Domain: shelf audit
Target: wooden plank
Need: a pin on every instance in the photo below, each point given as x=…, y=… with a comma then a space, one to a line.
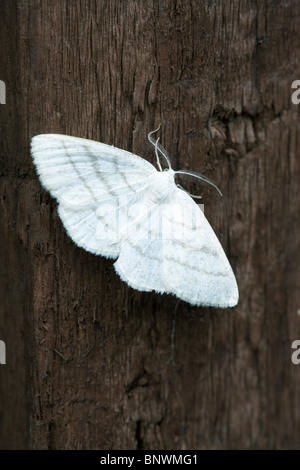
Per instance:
x=99, y=365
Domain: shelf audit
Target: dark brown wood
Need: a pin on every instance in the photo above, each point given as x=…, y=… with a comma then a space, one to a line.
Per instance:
x=91, y=363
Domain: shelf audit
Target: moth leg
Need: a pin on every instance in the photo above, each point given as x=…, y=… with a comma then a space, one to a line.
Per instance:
x=192, y=195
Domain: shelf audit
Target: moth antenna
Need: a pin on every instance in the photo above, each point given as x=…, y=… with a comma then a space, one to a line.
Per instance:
x=157, y=157
x=159, y=147
x=200, y=177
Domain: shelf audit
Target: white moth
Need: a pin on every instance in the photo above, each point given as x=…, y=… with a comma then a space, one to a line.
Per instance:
x=116, y=204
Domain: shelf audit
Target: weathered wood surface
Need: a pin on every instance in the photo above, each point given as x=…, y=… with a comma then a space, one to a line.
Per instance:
x=91, y=363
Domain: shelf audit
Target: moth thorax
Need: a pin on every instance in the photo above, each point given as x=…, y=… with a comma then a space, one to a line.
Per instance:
x=162, y=186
